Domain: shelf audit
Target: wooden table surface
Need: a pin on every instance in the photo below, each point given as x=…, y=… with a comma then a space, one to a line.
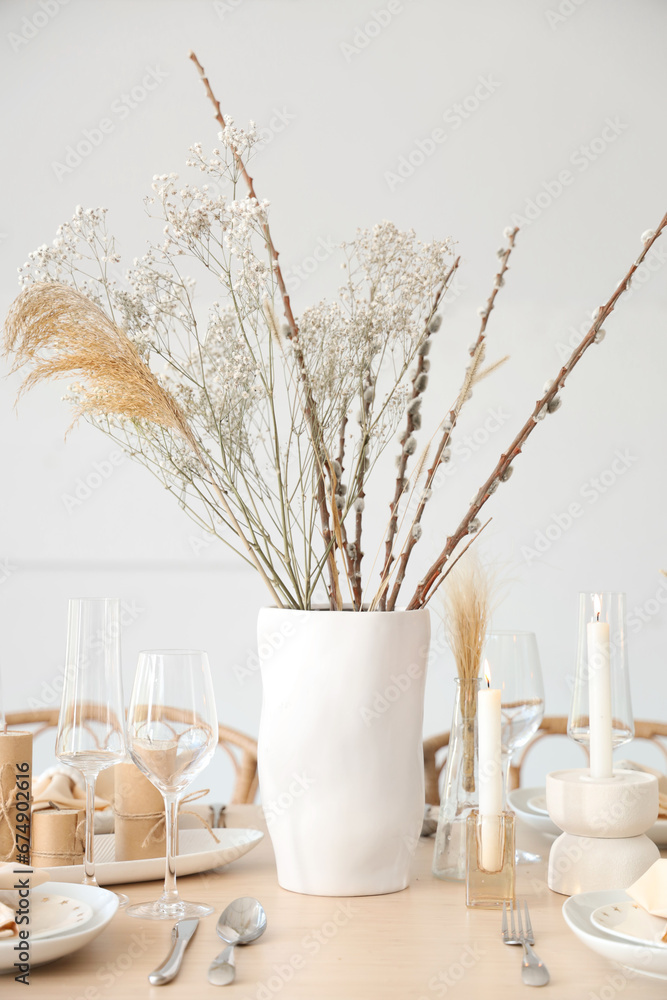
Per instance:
x=419, y=944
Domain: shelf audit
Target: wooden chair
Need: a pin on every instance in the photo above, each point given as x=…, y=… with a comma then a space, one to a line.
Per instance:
x=240, y=748
x=551, y=725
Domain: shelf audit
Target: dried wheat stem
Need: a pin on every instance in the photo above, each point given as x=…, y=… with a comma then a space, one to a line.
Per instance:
x=59, y=331
x=427, y=585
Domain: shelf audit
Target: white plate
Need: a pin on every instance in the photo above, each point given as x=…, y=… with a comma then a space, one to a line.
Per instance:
x=538, y=804
x=54, y=914
x=520, y=801
x=198, y=853
x=649, y=960
x=632, y=922
x=103, y=904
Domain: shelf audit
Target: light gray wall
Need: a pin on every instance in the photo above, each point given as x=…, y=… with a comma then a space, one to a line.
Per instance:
x=576, y=87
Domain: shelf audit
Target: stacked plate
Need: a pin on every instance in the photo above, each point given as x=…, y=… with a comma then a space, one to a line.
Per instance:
x=613, y=925
x=62, y=920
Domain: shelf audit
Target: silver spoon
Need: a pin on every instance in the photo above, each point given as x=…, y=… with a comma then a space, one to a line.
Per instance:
x=241, y=922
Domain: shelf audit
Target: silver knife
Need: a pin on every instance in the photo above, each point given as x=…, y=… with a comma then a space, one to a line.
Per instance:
x=181, y=935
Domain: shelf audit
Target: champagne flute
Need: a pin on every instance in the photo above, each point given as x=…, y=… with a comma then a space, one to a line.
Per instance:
x=90, y=733
x=512, y=661
x=172, y=733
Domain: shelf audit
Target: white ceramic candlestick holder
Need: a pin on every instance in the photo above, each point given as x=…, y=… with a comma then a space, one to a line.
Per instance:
x=604, y=822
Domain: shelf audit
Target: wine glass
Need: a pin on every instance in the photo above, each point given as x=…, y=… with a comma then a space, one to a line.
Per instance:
x=512, y=662
x=90, y=733
x=172, y=733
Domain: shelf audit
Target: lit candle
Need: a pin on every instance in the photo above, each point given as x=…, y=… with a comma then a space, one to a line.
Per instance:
x=599, y=695
x=490, y=776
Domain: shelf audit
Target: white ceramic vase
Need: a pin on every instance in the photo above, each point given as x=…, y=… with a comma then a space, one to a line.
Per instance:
x=341, y=765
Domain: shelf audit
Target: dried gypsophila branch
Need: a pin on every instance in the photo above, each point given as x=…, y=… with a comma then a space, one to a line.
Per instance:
x=84, y=341
x=548, y=403
x=309, y=408
x=442, y=453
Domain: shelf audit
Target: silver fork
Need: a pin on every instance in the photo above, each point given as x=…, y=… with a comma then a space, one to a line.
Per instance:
x=533, y=971
x=508, y=937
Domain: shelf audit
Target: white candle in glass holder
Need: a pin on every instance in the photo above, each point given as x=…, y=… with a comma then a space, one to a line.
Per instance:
x=490, y=777
x=599, y=695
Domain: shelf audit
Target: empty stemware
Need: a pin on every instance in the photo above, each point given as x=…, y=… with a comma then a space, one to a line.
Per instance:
x=172, y=732
x=90, y=726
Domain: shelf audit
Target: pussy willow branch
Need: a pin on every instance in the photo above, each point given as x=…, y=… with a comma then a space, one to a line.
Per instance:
x=309, y=408
x=434, y=575
x=360, y=495
x=445, y=439
x=404, y=456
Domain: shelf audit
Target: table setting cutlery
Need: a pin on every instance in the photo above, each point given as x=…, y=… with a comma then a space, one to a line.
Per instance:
x=242, y=922
x=181, y=935
x=533, y=970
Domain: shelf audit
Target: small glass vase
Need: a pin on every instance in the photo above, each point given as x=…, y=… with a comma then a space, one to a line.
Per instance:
x=460, y=793
x=490, y=868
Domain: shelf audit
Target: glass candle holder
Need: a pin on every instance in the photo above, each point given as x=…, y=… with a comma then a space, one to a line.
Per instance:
x=601, y=710
x=490, y=859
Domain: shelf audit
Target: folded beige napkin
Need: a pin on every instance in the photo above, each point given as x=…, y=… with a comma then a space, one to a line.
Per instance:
x=650, y=891
x=11, y=873
x=631, y=765
x=10, y=876
x=8, y=926
x=61, y=787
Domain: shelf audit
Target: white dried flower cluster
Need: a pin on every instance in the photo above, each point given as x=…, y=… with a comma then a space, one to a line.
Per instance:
x=82, y=245
x=379, y=318
x=234, y=372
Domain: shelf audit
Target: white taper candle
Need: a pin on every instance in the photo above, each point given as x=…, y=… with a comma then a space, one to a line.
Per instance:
x=490, y=777
x=599, y=696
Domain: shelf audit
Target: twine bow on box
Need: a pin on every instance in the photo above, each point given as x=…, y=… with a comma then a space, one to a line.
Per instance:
x=7, y=803
x=158, y=830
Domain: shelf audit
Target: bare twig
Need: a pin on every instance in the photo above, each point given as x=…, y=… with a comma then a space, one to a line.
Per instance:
x=427, y=585
x=411, y=423
x=309, y=408
x=476, y=353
